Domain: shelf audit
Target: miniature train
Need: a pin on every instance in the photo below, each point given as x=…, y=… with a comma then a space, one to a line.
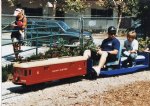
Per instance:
x=30, y=73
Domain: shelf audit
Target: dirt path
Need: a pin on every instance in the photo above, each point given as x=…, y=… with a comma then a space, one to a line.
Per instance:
x=126, y=90
x=136, y=94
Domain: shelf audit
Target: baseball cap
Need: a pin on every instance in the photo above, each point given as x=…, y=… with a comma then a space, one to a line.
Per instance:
x=112, y=30
x=17, y=11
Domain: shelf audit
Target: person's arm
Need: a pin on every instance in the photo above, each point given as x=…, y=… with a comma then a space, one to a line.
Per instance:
x=115, y=52
x=13, y=24
x=116, y=45
x=135, y=47
x=147, y=49
x=24, y=23
x=132, y=51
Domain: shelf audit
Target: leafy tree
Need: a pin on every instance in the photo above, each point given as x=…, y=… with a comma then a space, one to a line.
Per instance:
x=64, y=5
x=75, y=5
x=121, y=6
x=143, y=15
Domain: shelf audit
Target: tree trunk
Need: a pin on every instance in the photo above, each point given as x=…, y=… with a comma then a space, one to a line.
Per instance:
x=119, y=22
x=54, y=8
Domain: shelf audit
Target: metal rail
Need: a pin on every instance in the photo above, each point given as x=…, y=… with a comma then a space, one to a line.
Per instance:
x=35, y=39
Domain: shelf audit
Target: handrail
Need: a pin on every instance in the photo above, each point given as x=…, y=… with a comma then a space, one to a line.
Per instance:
x=14, y=53
x=34, y=30
x=33, y=39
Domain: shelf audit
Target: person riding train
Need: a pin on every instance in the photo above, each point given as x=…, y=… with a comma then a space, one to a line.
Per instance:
x=130, y=49
x=106, y=53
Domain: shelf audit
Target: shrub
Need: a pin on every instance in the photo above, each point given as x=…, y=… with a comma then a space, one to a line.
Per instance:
x=4, y=75
x=60, y=50
x=143, y=43
x=6, y=70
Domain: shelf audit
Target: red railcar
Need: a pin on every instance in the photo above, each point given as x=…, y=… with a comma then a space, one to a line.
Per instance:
x=29, y=73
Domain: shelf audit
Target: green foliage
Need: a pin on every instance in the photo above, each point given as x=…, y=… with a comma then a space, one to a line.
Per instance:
x=75, y=5
x=4, y=76
x=34, y=57
x=61, y=50
x=125, y=6
x=143, y=15
x=143, y=43
x=6, y=70
x=90, y=45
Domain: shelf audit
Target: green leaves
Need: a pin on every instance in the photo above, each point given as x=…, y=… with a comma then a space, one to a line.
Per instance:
x=143, y=43
x=126, y=6
x=75, y=6
x=6, y=71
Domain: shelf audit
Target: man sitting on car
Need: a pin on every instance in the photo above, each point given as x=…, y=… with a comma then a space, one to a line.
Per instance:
x=107, y=52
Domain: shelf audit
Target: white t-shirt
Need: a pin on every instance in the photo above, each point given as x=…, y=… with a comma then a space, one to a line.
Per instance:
x=131, y=45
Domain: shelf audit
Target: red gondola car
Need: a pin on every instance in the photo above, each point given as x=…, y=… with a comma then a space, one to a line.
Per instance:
x=47, y=70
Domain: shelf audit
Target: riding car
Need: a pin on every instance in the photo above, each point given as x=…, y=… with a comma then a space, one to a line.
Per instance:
x=52, y=31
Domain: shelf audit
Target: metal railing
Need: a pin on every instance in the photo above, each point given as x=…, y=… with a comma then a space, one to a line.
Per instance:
x=36, y=39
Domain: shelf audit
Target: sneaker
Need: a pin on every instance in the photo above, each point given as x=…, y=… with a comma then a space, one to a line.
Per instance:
x=91, y=74
x=97, y=70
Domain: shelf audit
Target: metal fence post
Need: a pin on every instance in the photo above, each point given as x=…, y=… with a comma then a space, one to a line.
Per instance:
x=81, y=32
x=36, y=42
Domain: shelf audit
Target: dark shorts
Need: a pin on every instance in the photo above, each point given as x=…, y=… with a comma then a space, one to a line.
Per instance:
x=96, y=57
x=17, y=36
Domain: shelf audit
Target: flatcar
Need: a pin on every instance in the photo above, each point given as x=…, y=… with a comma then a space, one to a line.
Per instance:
x=40, y=71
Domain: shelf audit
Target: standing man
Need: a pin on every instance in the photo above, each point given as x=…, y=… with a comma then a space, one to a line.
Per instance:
x=19, y=30
x=107, y=52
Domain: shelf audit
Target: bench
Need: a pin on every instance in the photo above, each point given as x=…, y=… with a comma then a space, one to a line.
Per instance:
x=141, y=59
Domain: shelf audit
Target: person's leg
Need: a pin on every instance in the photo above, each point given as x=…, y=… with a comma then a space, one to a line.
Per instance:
x=18, y=46
x=132, y=59
x=16, y=50
x=92, y=55
x=87, y=54
x=15, y=36
x=20, y=40
x=102, y=62
x=13, y=44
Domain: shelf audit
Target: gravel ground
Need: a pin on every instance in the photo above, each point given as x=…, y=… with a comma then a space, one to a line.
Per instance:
x=126, y=90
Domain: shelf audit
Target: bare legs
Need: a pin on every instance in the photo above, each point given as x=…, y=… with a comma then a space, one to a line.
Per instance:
x=17, y=48
x=87, y=54
x=102, y=60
